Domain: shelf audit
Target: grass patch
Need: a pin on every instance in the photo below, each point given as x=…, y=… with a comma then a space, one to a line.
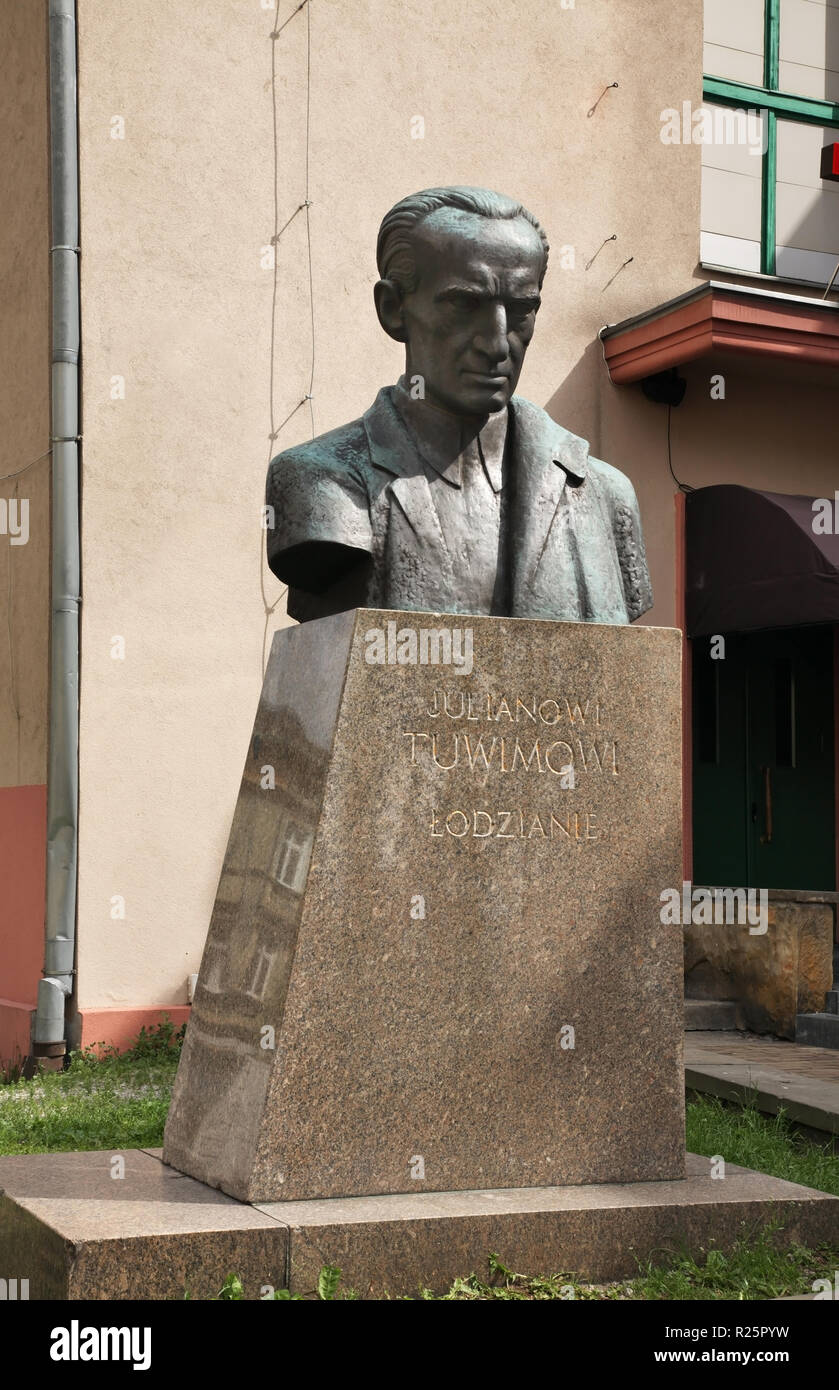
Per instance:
x=768, y=1143
x=754, y=1270
x=102, y=1100
x=329, y=1290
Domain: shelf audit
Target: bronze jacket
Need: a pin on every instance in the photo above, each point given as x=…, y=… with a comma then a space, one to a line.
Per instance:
x=351, y=523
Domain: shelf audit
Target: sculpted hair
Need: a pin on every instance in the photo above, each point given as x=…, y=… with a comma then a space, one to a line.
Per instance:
x=395, y=245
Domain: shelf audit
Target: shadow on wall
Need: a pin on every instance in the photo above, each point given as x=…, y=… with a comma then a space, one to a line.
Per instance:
x=629, y=432
x=576, y=403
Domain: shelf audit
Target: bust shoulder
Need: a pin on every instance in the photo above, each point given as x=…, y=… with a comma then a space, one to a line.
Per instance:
x=339, y=450
x=615, y=484
x=317, y=517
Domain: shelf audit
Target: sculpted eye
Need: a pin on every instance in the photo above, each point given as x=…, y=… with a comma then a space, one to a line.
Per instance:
x=464, y=303
x=521, y=308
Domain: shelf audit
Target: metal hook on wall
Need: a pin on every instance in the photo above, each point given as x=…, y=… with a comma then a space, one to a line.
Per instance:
x=593, y=108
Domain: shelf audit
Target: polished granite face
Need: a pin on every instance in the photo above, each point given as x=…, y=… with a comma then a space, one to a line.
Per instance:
x=436, y=959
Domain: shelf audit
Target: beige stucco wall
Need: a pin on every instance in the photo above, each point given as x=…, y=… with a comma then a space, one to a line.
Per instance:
x=775, y=429
x=24, y=394
x=175, y=301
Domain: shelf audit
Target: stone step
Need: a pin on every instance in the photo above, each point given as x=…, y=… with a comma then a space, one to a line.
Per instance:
x=711, y=1015
x=817, y=1030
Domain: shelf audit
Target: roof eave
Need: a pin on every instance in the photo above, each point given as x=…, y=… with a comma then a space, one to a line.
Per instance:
x=716, y=317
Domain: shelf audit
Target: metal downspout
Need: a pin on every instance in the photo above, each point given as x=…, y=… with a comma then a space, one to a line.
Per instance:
x=63, y=776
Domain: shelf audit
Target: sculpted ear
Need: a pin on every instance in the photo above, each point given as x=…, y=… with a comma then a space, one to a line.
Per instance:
x=388, y=299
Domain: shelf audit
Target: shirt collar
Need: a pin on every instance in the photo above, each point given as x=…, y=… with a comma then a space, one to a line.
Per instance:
x=445, y=440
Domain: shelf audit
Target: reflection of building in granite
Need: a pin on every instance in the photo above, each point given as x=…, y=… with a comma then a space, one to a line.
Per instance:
x=257, y=907
x=250, y=946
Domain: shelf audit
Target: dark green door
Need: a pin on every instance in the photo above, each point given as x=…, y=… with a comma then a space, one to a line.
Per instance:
x=763, y=771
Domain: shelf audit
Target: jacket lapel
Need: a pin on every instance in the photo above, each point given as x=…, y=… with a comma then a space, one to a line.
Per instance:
x=547, y=461
x=392, y=452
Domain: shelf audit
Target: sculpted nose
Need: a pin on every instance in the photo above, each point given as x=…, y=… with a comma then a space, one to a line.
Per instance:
x=491, y=338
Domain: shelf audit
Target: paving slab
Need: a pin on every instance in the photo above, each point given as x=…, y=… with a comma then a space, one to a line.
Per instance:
x=76, y=1232
x=804, y=1081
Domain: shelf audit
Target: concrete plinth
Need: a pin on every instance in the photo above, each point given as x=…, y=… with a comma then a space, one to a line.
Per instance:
x=75, y=1231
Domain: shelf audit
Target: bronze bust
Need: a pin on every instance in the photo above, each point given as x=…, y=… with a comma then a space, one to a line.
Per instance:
x=452, y=494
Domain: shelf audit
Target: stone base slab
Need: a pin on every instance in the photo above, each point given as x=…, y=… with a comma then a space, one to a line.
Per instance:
x=77, y=1232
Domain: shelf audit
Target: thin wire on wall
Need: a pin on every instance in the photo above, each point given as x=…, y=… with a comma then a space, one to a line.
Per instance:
x=303, y=206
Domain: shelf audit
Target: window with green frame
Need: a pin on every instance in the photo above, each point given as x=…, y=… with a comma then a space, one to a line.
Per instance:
x=773, y=214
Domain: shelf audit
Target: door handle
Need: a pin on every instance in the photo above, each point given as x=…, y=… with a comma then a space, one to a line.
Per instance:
x=766, y=838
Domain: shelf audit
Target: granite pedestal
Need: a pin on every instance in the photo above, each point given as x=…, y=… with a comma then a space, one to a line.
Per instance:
x=436, y=960
x=74, y=1231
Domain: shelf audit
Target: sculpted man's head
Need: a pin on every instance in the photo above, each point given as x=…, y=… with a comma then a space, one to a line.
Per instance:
x=461, y=273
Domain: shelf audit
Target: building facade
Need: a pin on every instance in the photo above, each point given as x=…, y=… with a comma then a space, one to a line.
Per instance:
x=234, y=162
